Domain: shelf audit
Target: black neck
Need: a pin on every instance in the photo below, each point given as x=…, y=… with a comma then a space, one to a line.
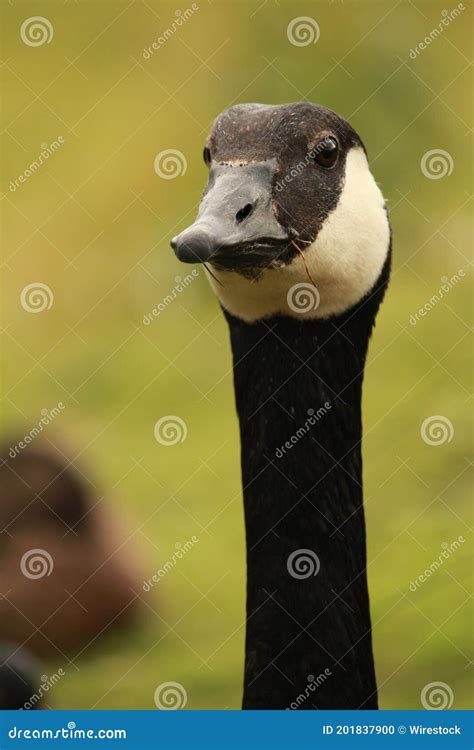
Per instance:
x=302, y=481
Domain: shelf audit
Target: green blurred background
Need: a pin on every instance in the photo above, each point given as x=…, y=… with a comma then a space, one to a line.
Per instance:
x=94, y=223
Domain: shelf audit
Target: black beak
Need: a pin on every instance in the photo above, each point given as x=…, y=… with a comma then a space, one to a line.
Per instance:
x=236, y=226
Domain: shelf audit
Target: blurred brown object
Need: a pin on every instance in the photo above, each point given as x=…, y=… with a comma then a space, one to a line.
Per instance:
x=64, y=575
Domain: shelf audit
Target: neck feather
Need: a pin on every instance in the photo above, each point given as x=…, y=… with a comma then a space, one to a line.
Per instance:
x=298, y=394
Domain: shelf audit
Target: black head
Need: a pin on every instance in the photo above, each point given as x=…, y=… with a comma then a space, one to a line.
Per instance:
x=277, y=174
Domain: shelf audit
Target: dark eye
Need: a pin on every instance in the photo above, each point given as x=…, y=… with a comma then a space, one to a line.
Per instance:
x=206, y=154
x=326, y=151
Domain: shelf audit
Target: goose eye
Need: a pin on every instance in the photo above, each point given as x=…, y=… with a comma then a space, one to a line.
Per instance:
x=207, y=156
x=326, y=152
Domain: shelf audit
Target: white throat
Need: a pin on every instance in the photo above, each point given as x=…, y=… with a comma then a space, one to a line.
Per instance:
x=344, y=261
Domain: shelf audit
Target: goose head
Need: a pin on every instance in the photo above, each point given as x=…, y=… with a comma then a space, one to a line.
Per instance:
x=290, y=208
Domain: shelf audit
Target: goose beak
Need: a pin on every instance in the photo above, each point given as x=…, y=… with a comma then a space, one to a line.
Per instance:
x=236, y=226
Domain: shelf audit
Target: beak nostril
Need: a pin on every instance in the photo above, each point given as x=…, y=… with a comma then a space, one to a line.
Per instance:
x=244, y=213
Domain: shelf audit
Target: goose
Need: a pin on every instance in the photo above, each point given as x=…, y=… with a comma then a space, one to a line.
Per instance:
x=65, y=577
x=294, y=233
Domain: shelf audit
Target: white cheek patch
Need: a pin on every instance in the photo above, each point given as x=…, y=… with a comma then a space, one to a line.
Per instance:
x=344, y=261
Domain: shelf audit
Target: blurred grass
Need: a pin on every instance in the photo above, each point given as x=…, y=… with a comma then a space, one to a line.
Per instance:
x=94, y=223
